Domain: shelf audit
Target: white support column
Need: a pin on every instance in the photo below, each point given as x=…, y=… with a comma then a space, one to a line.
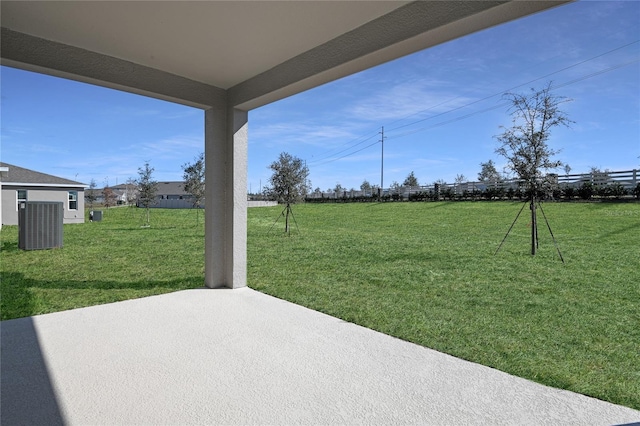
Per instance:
x=226, y=197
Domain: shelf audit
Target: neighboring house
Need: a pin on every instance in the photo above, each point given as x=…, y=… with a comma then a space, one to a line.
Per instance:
x=171, y=195
x=19, y=184
x=119, y=191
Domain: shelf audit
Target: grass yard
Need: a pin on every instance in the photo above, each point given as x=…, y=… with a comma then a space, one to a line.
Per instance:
x=426, y=273
x=423, y=272
x=103, y=262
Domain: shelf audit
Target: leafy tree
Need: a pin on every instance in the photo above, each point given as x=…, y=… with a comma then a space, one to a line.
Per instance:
x=90, y=195
x=147, y=188
x=365, y=187
x=289, y=182
x=194, y=181
x=525, y=144
x=410, y=180
x=110, y=197
x=489, y=173
x=338, y=190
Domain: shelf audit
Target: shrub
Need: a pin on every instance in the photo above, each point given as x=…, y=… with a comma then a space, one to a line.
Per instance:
x=569, y=192
x=520, y=194
x=510, y=193
x=447, y=194
x=489, y=193
x=586, y=190
x=617, y=190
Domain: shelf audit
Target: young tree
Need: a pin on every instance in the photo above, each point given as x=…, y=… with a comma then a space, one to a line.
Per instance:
x=147, y=188
x=525, y=144
x=110, y=197
x=365, y=187
x=410, y=180
x=91, y=196
x=194, y=181
x=488, y=173
x=289, y=182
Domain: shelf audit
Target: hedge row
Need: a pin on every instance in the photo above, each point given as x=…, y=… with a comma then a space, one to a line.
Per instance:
x=587, y=191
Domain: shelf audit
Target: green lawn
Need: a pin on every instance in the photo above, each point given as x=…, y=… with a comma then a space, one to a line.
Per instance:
x=103, y=262
x=423, y=272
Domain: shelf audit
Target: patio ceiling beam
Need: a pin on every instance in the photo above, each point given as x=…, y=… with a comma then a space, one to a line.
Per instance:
x=36, y=54
x=408, y=29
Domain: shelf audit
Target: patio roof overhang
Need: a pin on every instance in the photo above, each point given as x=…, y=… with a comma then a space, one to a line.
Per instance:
x=227, y=58
x=258, y=52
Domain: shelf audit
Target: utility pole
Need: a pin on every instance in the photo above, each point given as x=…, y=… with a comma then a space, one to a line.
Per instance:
x=382, y=161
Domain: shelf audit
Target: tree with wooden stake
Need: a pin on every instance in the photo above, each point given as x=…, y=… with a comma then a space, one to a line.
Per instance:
x=289, y=183
x=194, y=181
x=147, y=188
x=525, y=145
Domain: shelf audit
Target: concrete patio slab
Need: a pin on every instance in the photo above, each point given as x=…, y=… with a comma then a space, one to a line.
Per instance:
x=242, y=357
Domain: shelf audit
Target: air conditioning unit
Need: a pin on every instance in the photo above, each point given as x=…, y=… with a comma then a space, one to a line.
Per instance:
x=40, y=225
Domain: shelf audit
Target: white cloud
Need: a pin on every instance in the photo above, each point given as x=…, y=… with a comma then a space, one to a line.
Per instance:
x=294, y=134
x=410, y=99
x=170, y=147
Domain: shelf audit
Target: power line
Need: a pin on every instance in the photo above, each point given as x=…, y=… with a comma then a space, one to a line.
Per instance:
x=382, y=159
x=330, y=155
x=348, y=155
x=515, y=87
x=577, y=80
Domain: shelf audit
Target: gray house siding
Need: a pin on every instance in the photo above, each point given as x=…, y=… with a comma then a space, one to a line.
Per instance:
x=10, y=202
x=171, y=195
x=49, y=188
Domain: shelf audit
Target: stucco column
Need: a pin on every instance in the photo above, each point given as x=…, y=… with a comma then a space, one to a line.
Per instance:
x=226, y=197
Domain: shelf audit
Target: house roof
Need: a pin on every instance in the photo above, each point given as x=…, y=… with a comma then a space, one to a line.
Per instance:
x=164, y=188
x=170, y=188
x=20, y=176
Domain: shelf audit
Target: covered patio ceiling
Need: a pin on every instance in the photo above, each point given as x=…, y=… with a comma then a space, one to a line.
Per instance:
x=257, y=51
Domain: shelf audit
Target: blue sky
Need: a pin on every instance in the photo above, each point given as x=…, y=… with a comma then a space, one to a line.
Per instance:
x=441, y=110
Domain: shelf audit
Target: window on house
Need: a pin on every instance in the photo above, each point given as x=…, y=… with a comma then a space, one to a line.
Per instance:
x=73, y=200
x=22, y=197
